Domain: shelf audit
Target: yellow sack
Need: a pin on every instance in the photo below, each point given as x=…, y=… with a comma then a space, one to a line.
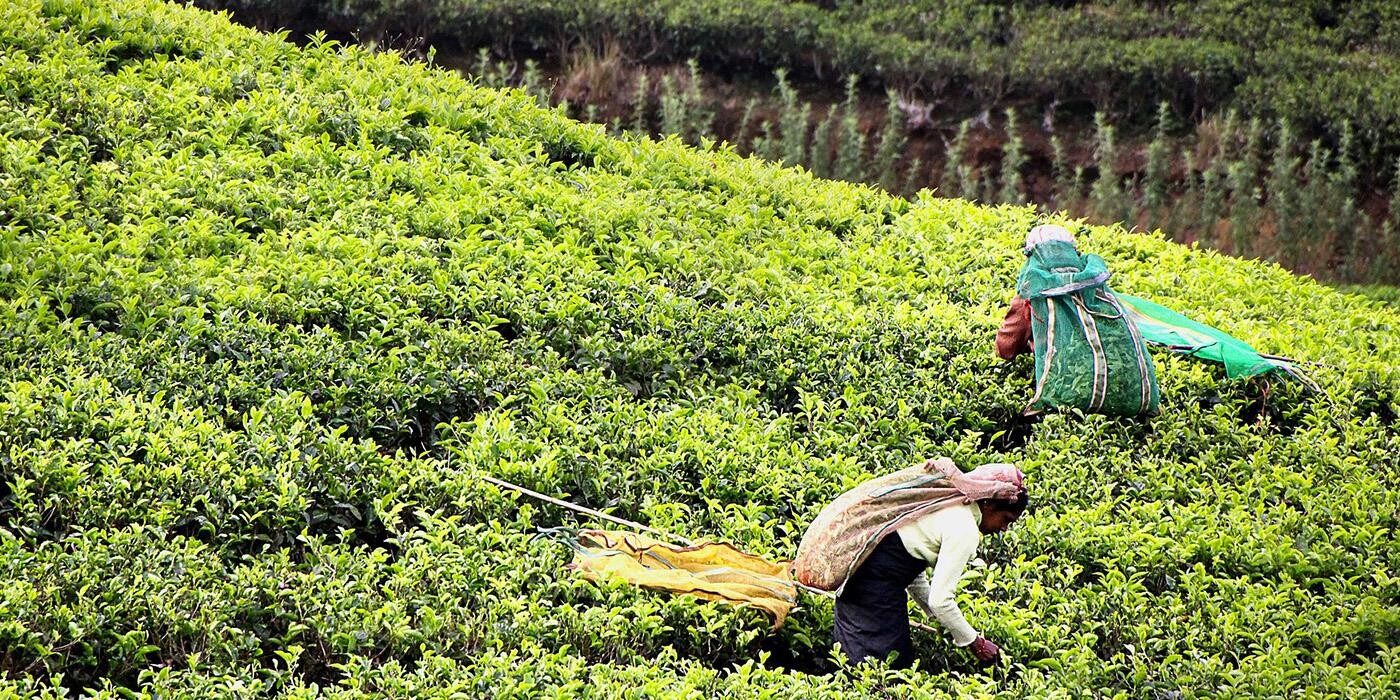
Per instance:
x=709, y=570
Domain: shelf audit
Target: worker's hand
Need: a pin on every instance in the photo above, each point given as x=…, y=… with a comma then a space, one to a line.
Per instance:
x=984, y=650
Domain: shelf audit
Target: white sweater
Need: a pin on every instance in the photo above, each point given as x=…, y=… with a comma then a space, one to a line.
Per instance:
x=947, y=539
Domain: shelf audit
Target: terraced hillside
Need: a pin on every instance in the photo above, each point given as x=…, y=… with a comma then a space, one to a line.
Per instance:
x=268, y=315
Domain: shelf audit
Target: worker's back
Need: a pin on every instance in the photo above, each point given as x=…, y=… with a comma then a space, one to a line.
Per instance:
x=924, y=537
x=1088, y=353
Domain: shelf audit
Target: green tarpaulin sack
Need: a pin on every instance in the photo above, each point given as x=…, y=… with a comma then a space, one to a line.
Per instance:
x=1166, y=328
x=1088, y=352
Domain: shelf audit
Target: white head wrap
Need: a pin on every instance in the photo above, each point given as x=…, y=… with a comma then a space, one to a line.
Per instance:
x=1048, y=232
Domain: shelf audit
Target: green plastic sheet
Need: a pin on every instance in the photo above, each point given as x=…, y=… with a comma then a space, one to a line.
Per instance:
x=1162, y=326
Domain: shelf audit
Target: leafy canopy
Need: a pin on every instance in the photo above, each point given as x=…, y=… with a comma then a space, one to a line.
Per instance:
x=267, y=313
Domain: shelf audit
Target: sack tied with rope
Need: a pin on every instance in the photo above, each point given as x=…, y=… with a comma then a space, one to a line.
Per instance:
x=1089, y=353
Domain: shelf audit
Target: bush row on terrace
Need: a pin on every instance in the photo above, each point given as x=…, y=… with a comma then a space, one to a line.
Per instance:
x=268, y=314
x=1238, y=185
x=1318, y=63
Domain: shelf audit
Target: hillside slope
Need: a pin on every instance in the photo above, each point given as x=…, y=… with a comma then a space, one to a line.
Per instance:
x=268, y=313
x=1319, y=63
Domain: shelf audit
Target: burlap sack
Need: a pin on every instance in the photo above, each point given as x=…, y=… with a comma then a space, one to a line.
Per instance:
x=847, y=531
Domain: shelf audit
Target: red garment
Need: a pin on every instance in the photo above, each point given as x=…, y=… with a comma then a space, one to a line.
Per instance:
x=1014, y=336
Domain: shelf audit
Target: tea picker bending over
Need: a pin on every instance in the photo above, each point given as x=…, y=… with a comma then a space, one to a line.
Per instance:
x=874, y=543
x=1090, y=341
x=1090, y=354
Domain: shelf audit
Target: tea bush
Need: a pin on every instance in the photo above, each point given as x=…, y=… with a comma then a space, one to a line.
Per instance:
x=269, y=313
x=1304, y=207
x=1320, y=63
x=1378, y=292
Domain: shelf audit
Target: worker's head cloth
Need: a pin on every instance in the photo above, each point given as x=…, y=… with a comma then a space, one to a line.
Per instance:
x=1045, y=233
x=1006, y=473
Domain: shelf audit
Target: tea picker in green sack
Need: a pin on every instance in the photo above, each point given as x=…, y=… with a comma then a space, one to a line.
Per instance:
x=1090, y=343
x=1088, y=351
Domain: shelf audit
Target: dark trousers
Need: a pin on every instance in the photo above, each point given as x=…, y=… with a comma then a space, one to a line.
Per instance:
x=872, y=613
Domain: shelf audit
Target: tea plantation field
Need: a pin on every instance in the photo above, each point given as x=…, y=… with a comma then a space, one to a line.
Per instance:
x=268, y=314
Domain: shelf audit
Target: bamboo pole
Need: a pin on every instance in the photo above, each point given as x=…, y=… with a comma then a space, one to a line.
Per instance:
x=582, y=509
